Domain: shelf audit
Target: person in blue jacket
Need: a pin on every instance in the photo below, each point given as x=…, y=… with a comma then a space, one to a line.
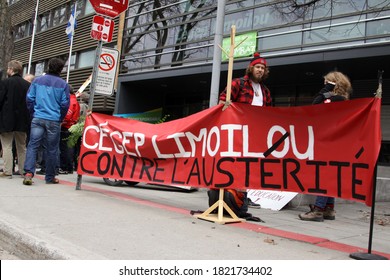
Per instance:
x=48, y=102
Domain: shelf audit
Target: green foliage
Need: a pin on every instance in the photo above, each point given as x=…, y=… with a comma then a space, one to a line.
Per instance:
x=76, y=130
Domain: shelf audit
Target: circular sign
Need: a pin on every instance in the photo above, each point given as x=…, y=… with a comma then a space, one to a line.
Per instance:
x=107, y=62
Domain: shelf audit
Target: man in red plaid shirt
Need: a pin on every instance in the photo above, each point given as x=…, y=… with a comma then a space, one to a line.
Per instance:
x=250, y=89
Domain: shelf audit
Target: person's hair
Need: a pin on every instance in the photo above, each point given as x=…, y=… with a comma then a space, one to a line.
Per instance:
x=343, y=85
x=55, y=66
x=249, y=71
x=29, y=77
x=16, y=66
x=71, y=89
x=85, y=97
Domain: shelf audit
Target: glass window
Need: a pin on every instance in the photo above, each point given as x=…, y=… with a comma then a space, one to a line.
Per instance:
x=86, y=58
x=130, y=65
x=192, y=5
x=144, y=60
x=10, y=2
x=59, y=15
x=79, y=8
x=133, y=43
x=266, y=17
x=335, y=32
x=198, y=31
x=238, y=5
x=136, y=20
x=44, y=21
x=346, y=7
x=72, y=62
x=84, y=7
x=242, y=21
x=39, y=68
x=377, y=4
x=333, y=8
x=380, y=28
x=166, y=56
x=281, y=41
x=151, y=41
x=22, y=30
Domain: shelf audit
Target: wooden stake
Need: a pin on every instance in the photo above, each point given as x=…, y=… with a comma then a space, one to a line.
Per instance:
x=221, y=204
x=230, y=67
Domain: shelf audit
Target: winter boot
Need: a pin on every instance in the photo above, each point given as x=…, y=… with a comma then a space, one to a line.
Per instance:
x=315, y=214
x=329, y=213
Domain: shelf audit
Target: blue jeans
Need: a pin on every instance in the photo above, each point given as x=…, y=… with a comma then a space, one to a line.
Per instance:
x=322, y=201
x=50, y=131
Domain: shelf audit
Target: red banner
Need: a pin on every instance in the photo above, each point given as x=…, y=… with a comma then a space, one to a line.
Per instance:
x=326, y=149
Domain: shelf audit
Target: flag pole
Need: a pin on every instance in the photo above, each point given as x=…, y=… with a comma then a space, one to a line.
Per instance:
x=33, y=37
x=71, y=45
x=70, y=57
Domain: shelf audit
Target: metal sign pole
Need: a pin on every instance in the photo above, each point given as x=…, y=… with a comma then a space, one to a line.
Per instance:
x=369, y=255
x=94, y=75
x=92, y=93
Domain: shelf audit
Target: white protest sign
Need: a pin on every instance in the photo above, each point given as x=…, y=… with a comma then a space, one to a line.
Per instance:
x=273, y=200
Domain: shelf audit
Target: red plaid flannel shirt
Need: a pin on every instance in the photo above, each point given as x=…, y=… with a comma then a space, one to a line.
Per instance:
x=246, y=94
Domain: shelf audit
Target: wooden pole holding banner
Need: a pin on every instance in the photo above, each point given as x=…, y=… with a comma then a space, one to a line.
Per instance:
x=230, y=67
x=369, y=255
x=221, y=204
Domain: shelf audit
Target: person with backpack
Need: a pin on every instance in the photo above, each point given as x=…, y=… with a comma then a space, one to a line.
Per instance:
x=249, y=89
x=337, y=87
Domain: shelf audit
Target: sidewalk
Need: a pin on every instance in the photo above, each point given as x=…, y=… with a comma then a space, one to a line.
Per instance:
x=139, y=223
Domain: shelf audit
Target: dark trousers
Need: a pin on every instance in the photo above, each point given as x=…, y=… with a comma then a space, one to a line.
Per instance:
x=66, y=153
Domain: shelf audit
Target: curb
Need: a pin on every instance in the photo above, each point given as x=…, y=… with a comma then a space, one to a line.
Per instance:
x=25, y=246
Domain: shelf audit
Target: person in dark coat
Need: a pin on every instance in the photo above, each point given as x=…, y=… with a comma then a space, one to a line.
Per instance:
x=14, y=117
x=337, y=87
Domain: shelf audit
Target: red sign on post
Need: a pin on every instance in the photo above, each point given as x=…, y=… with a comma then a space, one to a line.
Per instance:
x=102, y=29
x=110, y=8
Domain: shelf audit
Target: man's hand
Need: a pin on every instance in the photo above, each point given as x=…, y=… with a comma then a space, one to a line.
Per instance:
x=226, y=105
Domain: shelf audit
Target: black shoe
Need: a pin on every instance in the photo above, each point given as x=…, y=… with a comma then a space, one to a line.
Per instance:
x=41, y=172
x=251, y=204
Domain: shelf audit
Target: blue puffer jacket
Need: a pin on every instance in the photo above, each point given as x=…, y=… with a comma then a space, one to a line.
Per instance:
x=48, y=98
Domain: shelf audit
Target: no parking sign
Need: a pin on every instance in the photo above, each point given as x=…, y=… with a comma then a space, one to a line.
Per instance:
x=106, y=71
